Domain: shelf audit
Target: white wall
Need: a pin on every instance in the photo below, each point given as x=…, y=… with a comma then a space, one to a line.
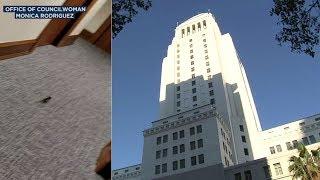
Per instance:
x=18, y=29
x=99, y=18
x=211, y=145
x=97, y=7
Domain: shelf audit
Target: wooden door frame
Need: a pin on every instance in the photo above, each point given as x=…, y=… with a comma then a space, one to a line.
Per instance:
x=63, y=25
x=68, y=39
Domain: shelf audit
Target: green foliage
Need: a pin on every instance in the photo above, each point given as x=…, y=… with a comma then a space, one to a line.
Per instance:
x=123, y=12
x=306, y=165
x=300, y=24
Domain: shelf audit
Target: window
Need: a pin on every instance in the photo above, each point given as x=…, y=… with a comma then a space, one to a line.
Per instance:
x=190, y=45
x=266, y=170
x=289, y=145
x=182, y=163
x=178, y=104
x=205, y=51
x=208, y=70
x=190, y=40
x=164, y=168
x=178, y=96
x=272, y=150
x=178, y=110
x=175, y=135
x=241, y=128
x=205, y=45
x=164, y=152
x=200, y=143
x=188, y=30
x=193, y=160
x=295, y=143
x=199, y=27
x=201, y=158
x=247, y=175
x=158, y=154
x=181, y=134
x=193, y=76
x=191, y=57
x=178, y=88
x=212, y=101
x=195, y=105
x=207, y=63
x=182, y=148
x=305, y=141
x=193, y=28
x=312, y=139
x=157, y=169
x=175, y=150
x=178, y=74
x=199, y=129
x=178, y=56
x=207, y=57
x=192, y=131
x=165, y=138
x=209, y=77
x=178, y=68
x=204, y=23
x=243, y=139
x=192, y=62
x=174, y=165
x=204, y=40
x=194, y=98
x=178, y=62
x=182, y=33
x=192, y=145
x=193, y=83
x=317, y=119
x=210, y=85
x=158, y=140
x=192, y=69
x=191, y=50
x=211, y=93
x=246, y=152
x=237, y=176
x=278, y=169
x=194, y=90
x=279, y=149
x=178, y=80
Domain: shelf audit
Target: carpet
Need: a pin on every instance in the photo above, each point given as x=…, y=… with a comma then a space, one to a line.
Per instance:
x=60, y=139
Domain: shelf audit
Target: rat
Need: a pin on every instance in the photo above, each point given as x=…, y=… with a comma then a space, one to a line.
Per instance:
x=45, y=100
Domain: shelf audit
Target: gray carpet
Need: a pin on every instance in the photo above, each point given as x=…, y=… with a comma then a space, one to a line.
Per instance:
x=63, y=138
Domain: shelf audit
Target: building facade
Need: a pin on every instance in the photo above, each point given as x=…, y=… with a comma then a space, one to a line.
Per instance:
x=208, y=124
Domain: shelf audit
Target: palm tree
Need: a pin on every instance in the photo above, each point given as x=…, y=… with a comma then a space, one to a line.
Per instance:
x=305, y=166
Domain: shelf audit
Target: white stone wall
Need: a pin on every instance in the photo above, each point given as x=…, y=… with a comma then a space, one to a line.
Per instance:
x=212, y=141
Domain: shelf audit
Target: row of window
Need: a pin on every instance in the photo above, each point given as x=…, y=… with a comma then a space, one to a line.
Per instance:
x=294, y=144
x=195, y=98
x=175, y=135
x=180, y=148
x=194, y=160
x=266, y=169
x=192, y=29
x=193, y=83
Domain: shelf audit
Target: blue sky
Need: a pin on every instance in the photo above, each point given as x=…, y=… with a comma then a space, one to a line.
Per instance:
x=285, y=85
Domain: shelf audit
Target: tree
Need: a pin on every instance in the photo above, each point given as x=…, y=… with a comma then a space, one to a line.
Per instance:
x=123, y=12
x=300, y=24
x=305, y=166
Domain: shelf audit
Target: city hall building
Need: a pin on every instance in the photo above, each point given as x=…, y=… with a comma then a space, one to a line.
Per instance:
x=208, y=126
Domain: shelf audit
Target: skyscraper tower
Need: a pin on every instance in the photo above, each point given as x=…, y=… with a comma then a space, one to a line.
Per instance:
x=207, y=113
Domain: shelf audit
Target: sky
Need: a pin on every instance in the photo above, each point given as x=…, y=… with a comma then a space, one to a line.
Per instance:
x=285, y=85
